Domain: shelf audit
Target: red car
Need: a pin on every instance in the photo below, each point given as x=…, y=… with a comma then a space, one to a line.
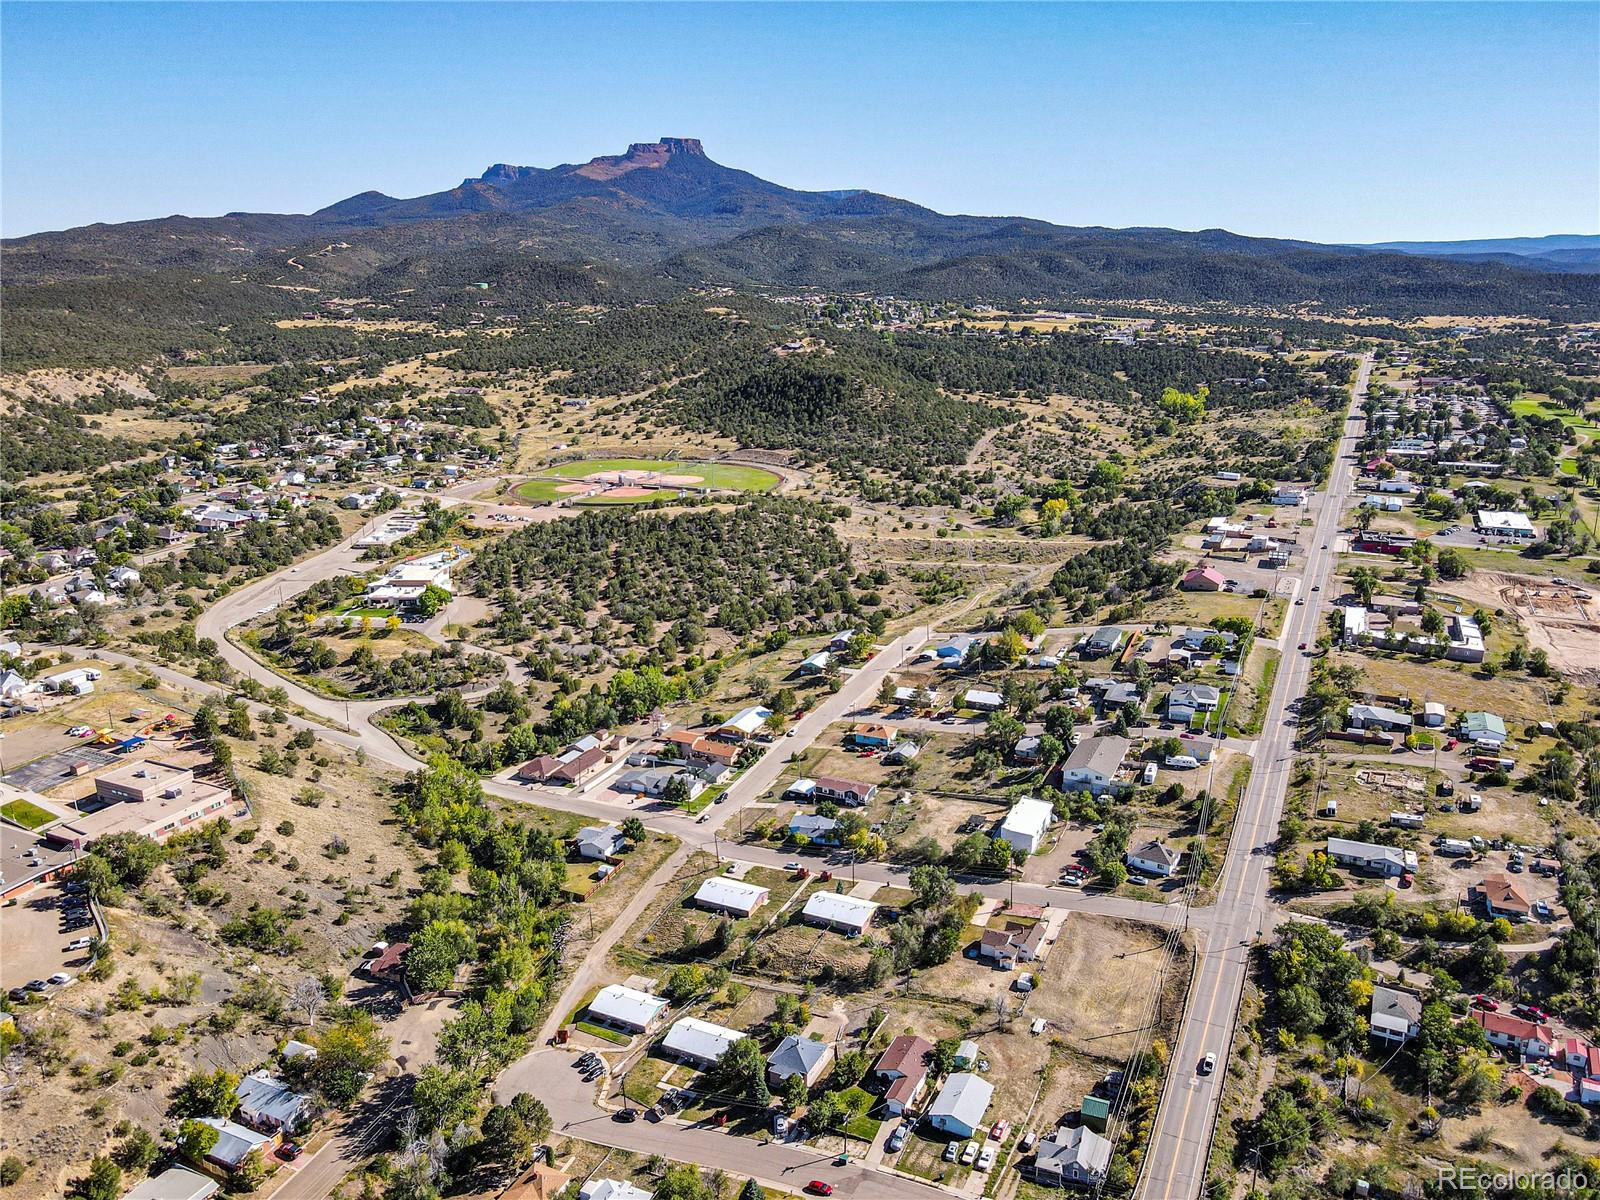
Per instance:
x=1485, y=1003
x=817, y=1188
x=290, y=1151
x=1302, y=645
x=1529, y=1012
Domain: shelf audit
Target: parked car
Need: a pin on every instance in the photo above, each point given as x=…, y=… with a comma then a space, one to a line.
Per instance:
x=950, y=1152
x=818, y=1188
x=82, y=943
x=290, y=1151
x=625, y=1115
x=1529, y=1012
x=1542, y=911
x=998, y=1130
x=59, y=978
x=1486, y=1003
x=1028, y=1139
x=986, y=1158
x=897, y=1139
x=969, y=1154
x=36, y=985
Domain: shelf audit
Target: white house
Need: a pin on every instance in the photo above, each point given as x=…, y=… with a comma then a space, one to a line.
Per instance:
x=1190, y=698
x=597, y=843
x=721, y=894
x=745, y=723
x=961, y=1104
x=983, y=700
x=268, y=1103
x=1153, y=858
x=1371, y=858
x=626, y=1008
x=1504, y=524
x=1093, y=765
x=611, y=1189
x=175, y=1183
x=1396, y=1015
x=1025, y=825
x=834, y=910
x=698, y=1042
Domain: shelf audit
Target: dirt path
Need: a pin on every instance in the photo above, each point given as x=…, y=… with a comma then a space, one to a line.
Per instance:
x=1560, y=618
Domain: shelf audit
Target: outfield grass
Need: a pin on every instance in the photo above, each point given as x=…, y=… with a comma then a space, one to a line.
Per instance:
x=723, y=476
x=26, y=814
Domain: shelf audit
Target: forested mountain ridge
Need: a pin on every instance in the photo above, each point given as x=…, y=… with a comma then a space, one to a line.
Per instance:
x=662, y=217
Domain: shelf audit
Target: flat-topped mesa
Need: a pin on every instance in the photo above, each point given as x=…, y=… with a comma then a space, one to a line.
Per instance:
x=640, y=154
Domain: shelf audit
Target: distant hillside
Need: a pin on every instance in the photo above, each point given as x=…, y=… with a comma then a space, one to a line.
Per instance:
x=1557, y=252
x=664, y=215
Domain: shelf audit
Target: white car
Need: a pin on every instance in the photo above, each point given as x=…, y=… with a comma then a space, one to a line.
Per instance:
x=82, y=943
x=59, y=978
x=986, y=1159
x=1208, y=1064
x=950, y=1152
x=969, y=1154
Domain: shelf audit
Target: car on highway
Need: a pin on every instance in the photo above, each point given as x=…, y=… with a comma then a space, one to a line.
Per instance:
x=818, y=1188
x=1208, y=1064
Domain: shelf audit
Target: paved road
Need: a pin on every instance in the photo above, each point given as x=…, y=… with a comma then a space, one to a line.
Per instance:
x=790, y=1166
x=1180, y=1146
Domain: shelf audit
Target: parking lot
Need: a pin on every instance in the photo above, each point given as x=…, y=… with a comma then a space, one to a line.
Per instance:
x=35, y=938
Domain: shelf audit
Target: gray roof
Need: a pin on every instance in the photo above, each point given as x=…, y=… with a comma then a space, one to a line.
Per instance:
x=1080, y=1146
x=1195, y=693
x=1102, y=755
x=234, y=1141
x=1119, y=694
x=964, y=1097
x=796, y=1056
x=175, y=1183
x=271, y=1098
x=1391, y=1002
x=1106, y=637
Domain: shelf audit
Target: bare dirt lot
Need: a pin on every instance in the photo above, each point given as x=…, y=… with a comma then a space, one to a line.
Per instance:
x=1561, y=618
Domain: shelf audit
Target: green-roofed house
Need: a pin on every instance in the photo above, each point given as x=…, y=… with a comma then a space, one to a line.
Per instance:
x=1096, y=1112
x=1483, y=728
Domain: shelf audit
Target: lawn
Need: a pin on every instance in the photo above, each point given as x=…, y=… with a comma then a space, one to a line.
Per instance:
x=1530, y=406
x=721, y=476
x=26, y=814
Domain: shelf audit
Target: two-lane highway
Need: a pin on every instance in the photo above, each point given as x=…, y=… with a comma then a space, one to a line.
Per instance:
x=1180, y=1146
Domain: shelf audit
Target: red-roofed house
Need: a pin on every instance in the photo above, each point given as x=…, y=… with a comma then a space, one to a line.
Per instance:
x=904, y=1067
x=1514, y=1033
x=1502, y=898
x=1203, y=579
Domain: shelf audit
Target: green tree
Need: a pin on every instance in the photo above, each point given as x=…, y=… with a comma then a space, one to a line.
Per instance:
x=206, y=1094
x=347, y=1052
x=195, y=1140
x=103, y=1182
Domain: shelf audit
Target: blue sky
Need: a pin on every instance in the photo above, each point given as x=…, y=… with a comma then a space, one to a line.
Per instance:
x=1333, y=122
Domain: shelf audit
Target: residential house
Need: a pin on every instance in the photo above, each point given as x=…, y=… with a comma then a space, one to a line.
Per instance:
x=850, y=915
x=389, y=963
x=611, y=1189
x=697, y=749
x=573, y=767
x=1108, y=639
x=1017, y=942
x=1187, y=699
x=1076, y=1156
x=1026, y=751
x=1374, y=716
x=744, y=724
x=903, y=1066
x=983, y=700
x=1119, y=695
x=1153, y=858
x=599, y=843
x=1529, y=1038
x=625, y=1008
x=653, y=782
x=954, y=650
x=1433, y=714
x=1371, y=858
x=961, y=1105
x=1483, y=729
x=734, y=896
x=1203, y=579
x=267, y=1103
x=815, y=664
x=849, y=792
x=175, y=1183
x=1502, y=898
x=872, y=735
x=13, y=684
x=1025, y=824
x=822, y=830
x=235, y=1143
x=904, y=751
x=697, y=1042
x=1395, y=1015
x=1093, y=765
x=910, y=697
x=800, y=1056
